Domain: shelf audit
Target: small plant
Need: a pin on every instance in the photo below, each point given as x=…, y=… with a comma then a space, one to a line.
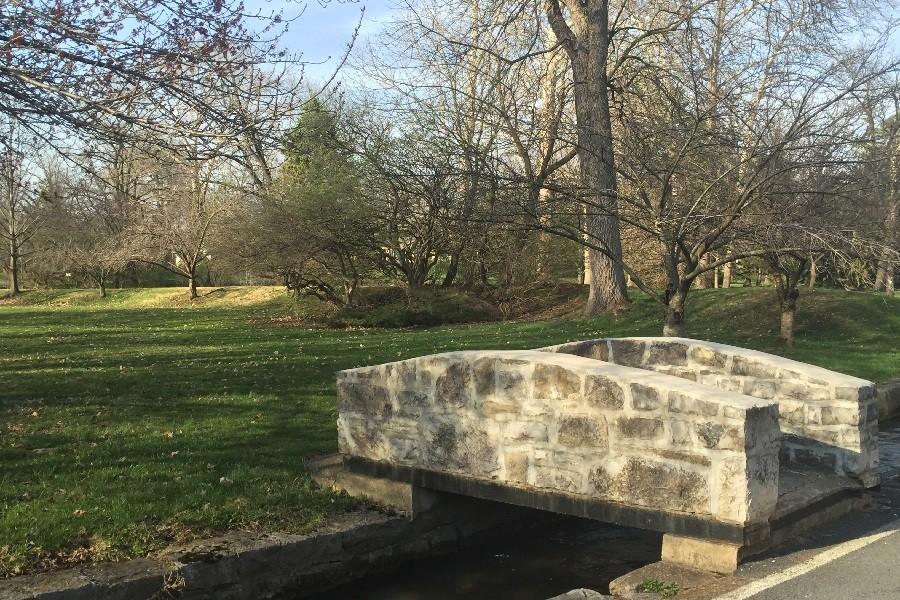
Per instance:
x=663, y=588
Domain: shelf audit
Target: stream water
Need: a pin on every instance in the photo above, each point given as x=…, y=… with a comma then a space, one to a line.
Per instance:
x=532, y=565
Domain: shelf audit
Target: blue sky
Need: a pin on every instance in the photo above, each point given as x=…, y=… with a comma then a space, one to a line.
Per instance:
x=322, y=32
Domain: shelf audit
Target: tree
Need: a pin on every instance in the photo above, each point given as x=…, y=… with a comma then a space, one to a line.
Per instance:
x=700, y=147
x=20, y=218
x=79, y=68
x=585, y=37
x=312, y=229
x=178, y=219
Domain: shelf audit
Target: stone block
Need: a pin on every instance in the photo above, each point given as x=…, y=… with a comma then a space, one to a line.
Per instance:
x=652, y=483
x=511, y=384
x=753, y=368
x=667, y=353
x=644, y=397
x=602, y=392
x=556, y=383
x=854, y=393
x=596, y=349
x=798, y=390
x=627, y=352
x=599, y=351
x=792, y=412
x=485, y=374
x=708, y=357
x=497, y=407
x=681, y=432
x=680, y=372
x=683, y=457
x=639, y=428
x=412, y=403
x=363, y=398
x=361, y=437
x=716, y=435
x=465, y=448
x=515, y=465
x=684, y=403
x=579, y=431
x=730, y=384
x=533, y=408
x=517, y=432
x=556, y=478
x=702, y=555
x=833, y=415
x=452, y=386
x=760, y=388
x=403, y=375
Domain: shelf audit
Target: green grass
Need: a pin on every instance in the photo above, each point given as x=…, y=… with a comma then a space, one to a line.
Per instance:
x=663, y=588
x=129, y=423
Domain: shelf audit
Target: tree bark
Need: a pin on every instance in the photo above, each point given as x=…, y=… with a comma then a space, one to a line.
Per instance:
x=705, y=280
x=452, y=270
x=788, y=302
x=673, y=326
x=884, y=278
x=13, y=269
x=585, y=38
x=726, y=275
x=812, y=273
x=192, y=285
x=102, y=289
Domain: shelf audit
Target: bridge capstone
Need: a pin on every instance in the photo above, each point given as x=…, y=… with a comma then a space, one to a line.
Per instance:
x=827, y=419
x=573, y=426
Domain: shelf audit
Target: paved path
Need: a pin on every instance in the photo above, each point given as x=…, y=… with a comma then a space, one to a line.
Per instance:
x=857, y=558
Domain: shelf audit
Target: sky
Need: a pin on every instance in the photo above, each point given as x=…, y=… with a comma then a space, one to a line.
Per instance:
x=322, y=33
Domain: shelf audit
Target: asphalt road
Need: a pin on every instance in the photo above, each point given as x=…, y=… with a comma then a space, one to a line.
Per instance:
x=856, y=558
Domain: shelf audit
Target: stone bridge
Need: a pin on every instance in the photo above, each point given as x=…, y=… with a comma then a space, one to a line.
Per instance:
x=718, y=447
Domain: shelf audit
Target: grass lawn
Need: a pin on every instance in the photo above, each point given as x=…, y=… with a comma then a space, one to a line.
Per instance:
x=130, y=423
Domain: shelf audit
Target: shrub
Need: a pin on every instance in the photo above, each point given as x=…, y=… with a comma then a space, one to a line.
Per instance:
x=396, y=307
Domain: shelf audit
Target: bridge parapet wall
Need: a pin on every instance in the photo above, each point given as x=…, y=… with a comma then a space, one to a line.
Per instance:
x=571, y=425
x=827, y=419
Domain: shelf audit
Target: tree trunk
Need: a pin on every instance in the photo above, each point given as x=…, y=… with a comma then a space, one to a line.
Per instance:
x=607, y=278
x=13, y=270
x=452, y=269
x=704, y=281
x=788, y=303
x=673, y=326
x=716, y=278
x=884, y=278
x=585, y=38
x=812, y=273
x=726, y=275
x=102, y=289
x=192, y=285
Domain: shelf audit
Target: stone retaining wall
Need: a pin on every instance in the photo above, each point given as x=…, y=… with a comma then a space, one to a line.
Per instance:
x=244, y=566
x=826, y=418
x=532, y=419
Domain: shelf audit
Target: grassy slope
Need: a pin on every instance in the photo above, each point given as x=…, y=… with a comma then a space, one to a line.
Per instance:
x=119, y=419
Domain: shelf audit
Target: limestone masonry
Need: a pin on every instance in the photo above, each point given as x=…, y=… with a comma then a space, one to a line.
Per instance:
x=667, y=424
x=827, y=419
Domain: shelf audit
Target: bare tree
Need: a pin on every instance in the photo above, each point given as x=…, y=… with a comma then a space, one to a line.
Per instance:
x=178, y=218
x=20, y=218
